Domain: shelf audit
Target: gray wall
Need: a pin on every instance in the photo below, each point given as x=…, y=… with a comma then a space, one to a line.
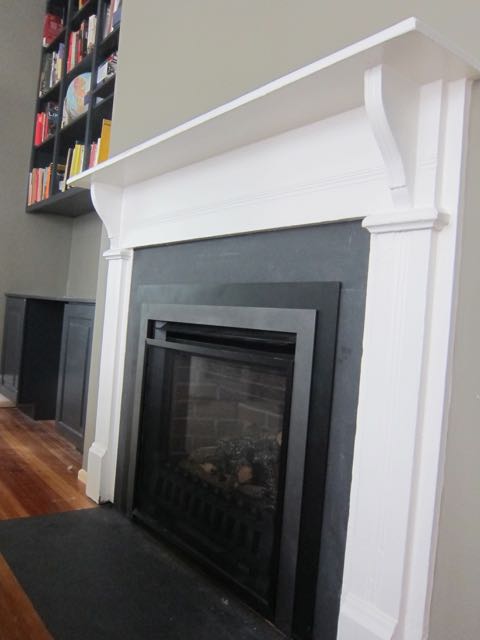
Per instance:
x=34, y=250
x=456, y=598
x=84, y=256
x=179, y=59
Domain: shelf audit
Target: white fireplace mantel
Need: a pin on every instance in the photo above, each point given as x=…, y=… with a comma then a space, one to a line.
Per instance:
x=375, y=132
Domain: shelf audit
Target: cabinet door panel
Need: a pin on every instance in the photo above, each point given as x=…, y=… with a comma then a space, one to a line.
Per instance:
x=74, y=370
x=12, y=345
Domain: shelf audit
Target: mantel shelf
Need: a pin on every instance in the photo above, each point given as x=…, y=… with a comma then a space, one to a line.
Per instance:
x=322, y=89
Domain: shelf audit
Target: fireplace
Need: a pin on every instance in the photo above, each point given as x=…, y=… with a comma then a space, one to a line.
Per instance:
x=229, y=454
x=374, y=133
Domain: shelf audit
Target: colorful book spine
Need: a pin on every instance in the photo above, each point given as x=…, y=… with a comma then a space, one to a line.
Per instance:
x=40, y=184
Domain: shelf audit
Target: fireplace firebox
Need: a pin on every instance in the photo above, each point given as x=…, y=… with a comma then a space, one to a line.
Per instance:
x=215, y=419
x=229, y=453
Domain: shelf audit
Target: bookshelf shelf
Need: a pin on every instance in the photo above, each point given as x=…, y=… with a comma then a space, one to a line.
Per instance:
x=83, y=13
x=48, y=142
x=104, y=88
x=75, y=127
x=106, y=103
x=110, y=43
x=80, y=34
x=51, y=94
x=80, y=67
x=78, y=201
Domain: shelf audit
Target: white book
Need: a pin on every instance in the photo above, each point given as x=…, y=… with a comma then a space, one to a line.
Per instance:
x=92, y=29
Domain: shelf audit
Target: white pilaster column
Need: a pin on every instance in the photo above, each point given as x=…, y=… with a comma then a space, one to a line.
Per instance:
x=388, y=423
x=102, y=456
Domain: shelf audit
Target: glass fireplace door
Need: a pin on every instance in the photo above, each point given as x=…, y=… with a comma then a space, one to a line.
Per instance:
x=214, y=427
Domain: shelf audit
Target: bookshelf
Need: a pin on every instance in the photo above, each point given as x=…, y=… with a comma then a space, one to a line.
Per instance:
x=78, y=57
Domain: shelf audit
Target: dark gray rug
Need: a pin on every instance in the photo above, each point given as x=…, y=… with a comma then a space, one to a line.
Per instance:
x=93, y=574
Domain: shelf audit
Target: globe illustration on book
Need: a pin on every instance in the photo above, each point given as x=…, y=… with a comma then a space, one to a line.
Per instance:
x=74, y=104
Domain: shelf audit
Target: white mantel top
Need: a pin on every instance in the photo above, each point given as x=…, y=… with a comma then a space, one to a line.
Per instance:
x=331, y=85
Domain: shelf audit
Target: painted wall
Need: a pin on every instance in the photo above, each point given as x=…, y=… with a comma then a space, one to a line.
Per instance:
x=455, y=612
x=34, y=250
x=179, y=59
x=84, y=256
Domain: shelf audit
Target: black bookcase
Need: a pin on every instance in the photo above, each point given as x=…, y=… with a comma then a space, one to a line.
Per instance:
x=85, y=128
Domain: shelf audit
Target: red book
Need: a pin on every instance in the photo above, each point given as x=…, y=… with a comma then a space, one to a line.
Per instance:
x=38, y=193
x=38, y=129
x=34, y=185
x=44, y=126
x=70, y=52
x=52, y=25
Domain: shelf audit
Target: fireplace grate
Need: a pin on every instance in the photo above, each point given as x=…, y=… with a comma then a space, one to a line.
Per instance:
x=233, y=531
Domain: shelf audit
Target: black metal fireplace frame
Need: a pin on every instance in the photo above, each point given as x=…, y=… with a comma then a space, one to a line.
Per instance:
x=314, y=328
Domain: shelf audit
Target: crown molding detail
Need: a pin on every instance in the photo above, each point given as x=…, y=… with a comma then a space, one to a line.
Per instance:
x=399, y=221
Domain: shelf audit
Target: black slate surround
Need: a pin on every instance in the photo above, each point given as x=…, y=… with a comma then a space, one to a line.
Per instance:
x=201, y=273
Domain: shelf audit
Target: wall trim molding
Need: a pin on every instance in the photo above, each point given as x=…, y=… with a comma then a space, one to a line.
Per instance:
x=399, y=221
x=82, y=476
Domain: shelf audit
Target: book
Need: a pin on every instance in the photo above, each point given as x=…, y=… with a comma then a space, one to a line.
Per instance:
x=46, y=122
x=40, y=184
x=81, y=42
x=112, y=16
x=38, y=130
x=52, y=26
x=117, y=14
x=51, y=69
x=66, y=172
x=107, y=68
x=104, y=143
x=52, y=115
x=92, y=161
x=91, y=33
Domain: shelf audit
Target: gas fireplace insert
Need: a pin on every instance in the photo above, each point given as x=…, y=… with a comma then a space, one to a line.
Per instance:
x=230, y=442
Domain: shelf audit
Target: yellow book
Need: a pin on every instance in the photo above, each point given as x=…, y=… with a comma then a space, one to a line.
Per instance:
x=76, y=160
x=104, y=145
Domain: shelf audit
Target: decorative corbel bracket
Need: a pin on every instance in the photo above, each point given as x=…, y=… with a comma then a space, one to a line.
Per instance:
x=107, y=200
x=391, y=103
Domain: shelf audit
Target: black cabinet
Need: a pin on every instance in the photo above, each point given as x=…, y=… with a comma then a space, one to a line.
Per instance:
x=74, y=370
x=45, y=359
x=12, y=347
x=31, y=354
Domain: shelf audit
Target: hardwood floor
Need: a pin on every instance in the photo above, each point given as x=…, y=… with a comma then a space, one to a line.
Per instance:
x=38, y=469
x=18, y=618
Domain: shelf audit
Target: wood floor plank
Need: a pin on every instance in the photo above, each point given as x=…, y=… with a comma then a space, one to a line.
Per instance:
x=18, y=617
x=38, y=469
